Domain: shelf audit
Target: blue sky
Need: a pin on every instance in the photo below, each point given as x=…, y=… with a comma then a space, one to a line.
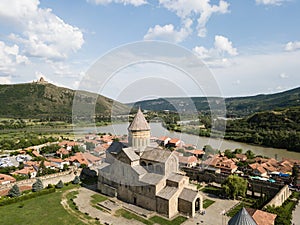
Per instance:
x=250, y=46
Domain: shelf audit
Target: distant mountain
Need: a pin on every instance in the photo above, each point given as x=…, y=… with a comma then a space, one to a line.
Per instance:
x=237, y=106
x=47, y=101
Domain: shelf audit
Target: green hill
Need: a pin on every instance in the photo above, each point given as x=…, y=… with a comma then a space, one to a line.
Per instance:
x=237, y=106
x=47, y=101
x=279, y=129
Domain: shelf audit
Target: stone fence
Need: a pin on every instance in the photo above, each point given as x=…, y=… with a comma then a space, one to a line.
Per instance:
x=263, y=187
x=280, y=197
x=53, y=179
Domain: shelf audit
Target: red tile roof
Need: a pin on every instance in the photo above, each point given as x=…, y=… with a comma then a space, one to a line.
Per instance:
x=4, y=178
x=262, y=217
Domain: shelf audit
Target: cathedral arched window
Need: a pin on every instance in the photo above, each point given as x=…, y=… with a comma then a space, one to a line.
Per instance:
x=150, y=167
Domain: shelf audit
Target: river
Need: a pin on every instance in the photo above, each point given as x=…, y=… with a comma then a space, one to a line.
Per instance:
x=158, y=130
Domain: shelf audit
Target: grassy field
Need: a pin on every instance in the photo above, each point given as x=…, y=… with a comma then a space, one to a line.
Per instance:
x=42, y=210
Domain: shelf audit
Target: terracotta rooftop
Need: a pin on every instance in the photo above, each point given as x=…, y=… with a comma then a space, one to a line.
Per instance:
x=187, y=159
x=6, y=178
x=242, y=218
x=261, y=217
x=139, y=122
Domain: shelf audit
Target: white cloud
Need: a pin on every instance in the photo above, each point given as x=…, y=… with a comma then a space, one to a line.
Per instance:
x=5, y=80
x=124, y=2
x=10, y=57
x=202, y=10
x=270, y=2
x=259, y=73
x=222, y=44
x=292, y=46
x=217, y=56
x=169, y=33
x=40, y=32
x=283, y=76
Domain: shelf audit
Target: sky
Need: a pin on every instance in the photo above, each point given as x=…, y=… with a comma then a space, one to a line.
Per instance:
x=249, y=47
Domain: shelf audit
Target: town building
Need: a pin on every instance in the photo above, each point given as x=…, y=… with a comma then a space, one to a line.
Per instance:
x=147, y=176
x=249, y=216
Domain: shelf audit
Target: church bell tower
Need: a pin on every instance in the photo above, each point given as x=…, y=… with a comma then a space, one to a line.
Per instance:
x=139, y=132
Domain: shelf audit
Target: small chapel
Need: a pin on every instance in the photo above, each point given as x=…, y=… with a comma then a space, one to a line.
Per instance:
x=147, y=176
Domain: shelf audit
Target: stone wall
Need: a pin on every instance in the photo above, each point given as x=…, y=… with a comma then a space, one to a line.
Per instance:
x=280, y=197
x=185, y=207
x=66, y=176
x=263, y=187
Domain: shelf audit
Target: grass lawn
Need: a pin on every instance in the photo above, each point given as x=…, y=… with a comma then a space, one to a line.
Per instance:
x=98, y=198
x=177, y=221
x=237, y=208
x=45, y=209
x=128, y=215
x=207, y=203
x=155, y=219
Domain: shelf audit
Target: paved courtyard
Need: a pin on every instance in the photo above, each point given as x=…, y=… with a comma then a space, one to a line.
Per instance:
x=214, y=213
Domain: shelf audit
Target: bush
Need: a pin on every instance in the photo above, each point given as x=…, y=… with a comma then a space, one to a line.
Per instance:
x=50, y=186
x=76, y=180
x=14, y=191
x=25, y=197
x=37, y=186
x=60, y=184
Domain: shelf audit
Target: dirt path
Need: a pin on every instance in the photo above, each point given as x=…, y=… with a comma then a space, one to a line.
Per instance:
x=83, y=202
x=66, y=206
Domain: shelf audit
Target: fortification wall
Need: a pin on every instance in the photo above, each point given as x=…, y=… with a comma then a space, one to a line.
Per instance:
x=280, y=197
x=53, y=179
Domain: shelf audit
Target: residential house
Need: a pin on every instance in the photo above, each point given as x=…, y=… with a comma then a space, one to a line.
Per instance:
x=163, y=141
x=187, y=161
x=197, y=152
x=58, y=162
x=6, y=179
x=258, y=170
x=26, y=171
x=241, y=157
x=174, y=142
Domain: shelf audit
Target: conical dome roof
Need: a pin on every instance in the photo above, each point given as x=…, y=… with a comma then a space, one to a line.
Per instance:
x=242, y=218
x=139, y=122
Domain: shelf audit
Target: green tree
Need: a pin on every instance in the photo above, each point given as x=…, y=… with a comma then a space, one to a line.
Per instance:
x=229, y=154
x=235, y=186
x=295, y=174
x=250, y=154
x=60, y=184
x=42, y=168
x=238, y=151
x=76, y=180
x=14, y=191
x=37, y=186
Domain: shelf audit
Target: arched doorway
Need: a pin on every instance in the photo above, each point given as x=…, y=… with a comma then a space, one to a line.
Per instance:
x=150, y=167
x=197, y=204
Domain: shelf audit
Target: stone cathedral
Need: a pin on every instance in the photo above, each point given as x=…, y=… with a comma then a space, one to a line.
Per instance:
x=147, y=176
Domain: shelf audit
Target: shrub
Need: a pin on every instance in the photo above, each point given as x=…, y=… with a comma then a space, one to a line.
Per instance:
x=60, y=184
x=37, y=186
x=14, y=191
x=76, y=180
